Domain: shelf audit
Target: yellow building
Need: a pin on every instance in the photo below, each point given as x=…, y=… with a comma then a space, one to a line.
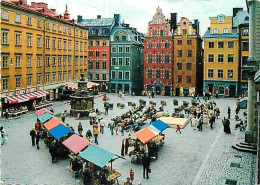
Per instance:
x=40, y=49
x=221, y=58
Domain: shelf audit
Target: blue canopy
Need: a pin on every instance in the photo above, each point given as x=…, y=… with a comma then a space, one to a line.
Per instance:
x=59, y=131
x=45, y=117
x=160, y=125
x=96, y=155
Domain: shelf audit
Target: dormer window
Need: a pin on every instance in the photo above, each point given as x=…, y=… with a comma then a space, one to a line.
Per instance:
x=220, y=19
x=215, y=31
x=225, y=30
x=246, y=18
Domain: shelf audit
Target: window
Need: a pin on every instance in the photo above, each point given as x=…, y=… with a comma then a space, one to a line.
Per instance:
x=69, y=60
x=4, y=37
x=184, y=31
x=76, y=60
x=104, y=43
x=127, y=49
x=69, y=75
x=113, y=61
x=179, y=42
x=97, y=76
x=90, y=43
x=39, y=79
x=225, y=30
x=116, y=38
x=127, y=61
x=189, y=53
x=220, y=44
x=54, y=77
x=69, y=45
x=64, y=29
x=245, y=75
x=53, y=27
x=97, y=65
x=210, y=73
x=47, y=61
x=90, y=53
x=215, y=31
x=81, y=34
x=188, y=66
x=158, y=45
x=64, y=76
x=230, y=44
x=211, y=44
x=220, y=58
x=97, y=43
x=179, y=66
x=47, y=78
x=158, y=73
x=220, y=19
x=166, y=59
x=77, y=46
x=53, y=60
x=18, y=63
x=220, y=73
x=230, y=57
x=39, y=61
x=210, y=57
x=244, y=60
x=158, y=58
x=29, y=60
x=59, y=28
x=127, y=75
x=113, y=75
x=29, y=80
x=90, y=65
x=104, y=53
x=179, y=53
x=97, y=53
x=189, y=42
x=104, y=65
x=120, y=75
x=85, y=46
x=124, y=38
x=64, y=44
x=64, y=60
x=149, y=73
x=154, y=33
x=53, y=43
x=188, y=79
x=47, y=41
x=4, y=14
x=29, y=20
x=90, y=76
x=113, y=49
x=17, y=39
x=60, y=77
x=39, y=41
x=149, y=45
x=120, y=61
x=18, y=18
x=167, y=74
x=5, y=62
x=5, y=84
x=18, y=82
x=245, y=46
x=85, y=60
x=150, y=58
x=59, y=44
x=120, y=49
x=179, y=79
x=167, y=45
x=39, y=23
x=246, y=32
x=162, y=33
x=59, y=61
x=230, y=73
x=47, y=25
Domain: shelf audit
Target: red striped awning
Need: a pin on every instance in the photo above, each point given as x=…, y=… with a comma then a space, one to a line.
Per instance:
x=26, y=97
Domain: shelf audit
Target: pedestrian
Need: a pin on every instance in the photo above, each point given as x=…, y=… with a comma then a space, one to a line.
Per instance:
x=237, y=110
x=33, y=134
x=94, y=116
x=37, y=126
x=122, y=128
x=178, y=129
x=226, y=124
x=37, y=140
x=116, y=128
x=111, y=126
x=3, y=135
x=90, y=117
x=146, y=165
x=229, y=112
x=152, y=94
x=95, y=133
x=52, y=110
x=200, y=122
x=89, y=134
x=80, y=129
x=6, y=115
x=102, y=125
x=106, y=108
x=63, y=116
x=194, y=122
x=123, y=96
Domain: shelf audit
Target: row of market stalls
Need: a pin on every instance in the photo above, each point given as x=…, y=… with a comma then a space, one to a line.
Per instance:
x=80, y=150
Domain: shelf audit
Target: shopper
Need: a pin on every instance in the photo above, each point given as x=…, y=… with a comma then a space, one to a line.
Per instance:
x=33, y=135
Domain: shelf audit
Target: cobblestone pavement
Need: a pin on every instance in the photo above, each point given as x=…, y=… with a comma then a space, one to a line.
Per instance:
x=193, y=156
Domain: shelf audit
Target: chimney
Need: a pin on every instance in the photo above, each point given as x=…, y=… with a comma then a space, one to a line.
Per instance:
x=173, y=21
x=197, y=26
x=79, y=18
x=236, y=10
x=66, y=14
x=98, y=16
x=117, y=19
x=127, y=25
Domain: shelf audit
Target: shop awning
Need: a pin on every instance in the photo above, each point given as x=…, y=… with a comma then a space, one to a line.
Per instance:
x=26, y=97
x=75, y=143
x=160, y=125
x=42, y=111
x=59, y=131
x=45, y=117
x=145, y=135
x=96, y=155
x=53, y=122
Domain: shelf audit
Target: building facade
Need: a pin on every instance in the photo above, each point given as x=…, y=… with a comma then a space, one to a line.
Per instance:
x=126, y=58
x=99, y=49
x=158, y=56
x=221, y=58
x=188, y=67
x=40, y=49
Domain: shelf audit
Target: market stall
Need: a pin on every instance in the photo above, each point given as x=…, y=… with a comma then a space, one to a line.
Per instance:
x=53, y=122
x=45, y=117
x=42, y=111
x=75, y=143
x=173, y=122
x=59, y=131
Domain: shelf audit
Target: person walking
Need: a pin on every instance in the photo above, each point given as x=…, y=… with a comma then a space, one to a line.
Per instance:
x=200, y=122
x=63, y=116
x=80, y=128
x=111, y=126
x=146, y=165
x=90, y=117
x=33, y=134
x=102, y=125
x=178, y=129
x=194, y=122
x=226, y=124
x=152, y=94
x=95, y=133
x=229, y=112
x=3, y=135
x=106, y=109
x=6, y=115
x=38, y=140
x=116, y=128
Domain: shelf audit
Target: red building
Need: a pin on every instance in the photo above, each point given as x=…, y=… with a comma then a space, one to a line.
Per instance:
x=158, y=54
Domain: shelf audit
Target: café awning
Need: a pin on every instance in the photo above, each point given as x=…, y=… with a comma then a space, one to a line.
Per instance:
x=59, y=131
x=160, y=125
x=53, y=122
x=42, y=111
x=45, y=117
x=96, y=155
x=75, y=143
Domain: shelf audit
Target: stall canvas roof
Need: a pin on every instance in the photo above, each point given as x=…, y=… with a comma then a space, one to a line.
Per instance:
x=42, y=111
x=145, y=135
x=75, y=143
x=160, y=125
x=45, y=117
x=96, y=155
x=59, y=131
x=53, y=122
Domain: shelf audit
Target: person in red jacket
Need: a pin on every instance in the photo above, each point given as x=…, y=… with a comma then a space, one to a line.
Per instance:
x=178, y=129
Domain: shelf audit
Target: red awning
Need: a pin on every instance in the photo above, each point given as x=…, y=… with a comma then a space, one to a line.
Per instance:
x=53, y=122
x=26, y=97
x=75, y=143
x=145, y=135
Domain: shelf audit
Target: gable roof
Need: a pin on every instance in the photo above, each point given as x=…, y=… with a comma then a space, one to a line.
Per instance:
x=97, y=22
x=234, y=34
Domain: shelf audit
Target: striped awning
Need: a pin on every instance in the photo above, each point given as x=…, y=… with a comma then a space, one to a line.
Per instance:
x=26, y=97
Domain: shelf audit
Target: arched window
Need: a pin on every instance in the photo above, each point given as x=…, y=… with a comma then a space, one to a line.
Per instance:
x=221, y=89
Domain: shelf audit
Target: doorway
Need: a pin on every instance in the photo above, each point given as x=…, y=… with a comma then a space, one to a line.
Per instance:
x=158, y=90
x=167, y=90
x=210, y=88
x=232, y=90
x=177, y=91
